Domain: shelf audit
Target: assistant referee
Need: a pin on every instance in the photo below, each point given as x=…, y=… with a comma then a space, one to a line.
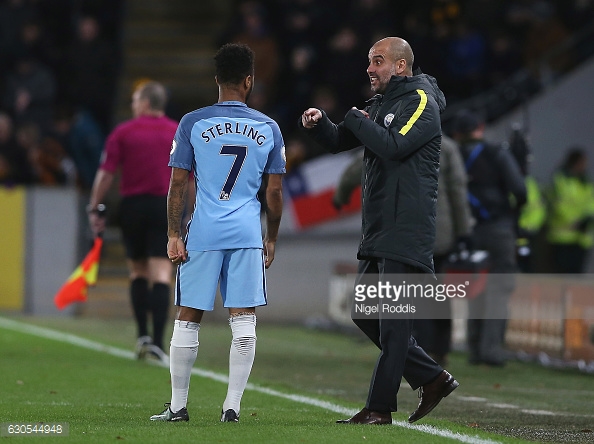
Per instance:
x=140, y=149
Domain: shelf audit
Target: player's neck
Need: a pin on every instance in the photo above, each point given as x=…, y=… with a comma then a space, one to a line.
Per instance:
x=231, y=95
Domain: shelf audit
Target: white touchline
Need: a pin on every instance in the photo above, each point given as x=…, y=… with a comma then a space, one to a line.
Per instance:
x=498, y=405
x=47, y=333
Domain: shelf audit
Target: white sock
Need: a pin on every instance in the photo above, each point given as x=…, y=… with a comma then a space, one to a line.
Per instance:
x=241, y=358
x=182, y=355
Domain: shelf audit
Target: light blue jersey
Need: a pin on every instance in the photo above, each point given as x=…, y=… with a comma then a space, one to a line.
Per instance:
x=228, y=146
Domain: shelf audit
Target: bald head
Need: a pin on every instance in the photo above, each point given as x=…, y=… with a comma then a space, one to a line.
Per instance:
x=391, y=56
x=149, y=99
x=155, y=93
x=398, y=48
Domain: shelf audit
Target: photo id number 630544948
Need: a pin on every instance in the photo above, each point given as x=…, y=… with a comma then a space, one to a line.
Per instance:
x=34, y=429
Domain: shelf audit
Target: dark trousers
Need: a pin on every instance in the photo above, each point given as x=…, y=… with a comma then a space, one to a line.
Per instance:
x=435, y=335
x=488, y=312
x=400, y=355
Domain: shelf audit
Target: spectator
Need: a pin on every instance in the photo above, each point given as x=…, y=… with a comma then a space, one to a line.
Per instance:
x=531, y=219
x=50, y=163
x=503, y=58
x=260, y=98
x=7, y=143
x=350, y=179
x=445, y=11
x=30, y=91
x=56, y=18
x=306, y=22
x=466, y=61
x=13, y=15
x=344, y=50
x=532, y=215
x=519, y=16
x=469, y=46
x=16, y=167
x=576, y=13
x=90, y=70
x=5, y=172
x=453, y=230
x=256, y=34
x=295, y=152
x=483, y=14
x=418, y=35
x=35, y=43
x=545, y=32
x=571, y=221
x=364, y=12
x=493, y=175
x=82, y=138
x=325, y=97
x=299, y=80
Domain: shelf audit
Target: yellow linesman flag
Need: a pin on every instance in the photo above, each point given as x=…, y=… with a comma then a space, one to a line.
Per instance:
x=75, y=288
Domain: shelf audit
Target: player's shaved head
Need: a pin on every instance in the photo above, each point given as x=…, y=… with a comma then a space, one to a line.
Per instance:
x=398, y=49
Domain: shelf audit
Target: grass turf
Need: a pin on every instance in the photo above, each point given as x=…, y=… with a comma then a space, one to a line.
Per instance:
x=104, y=397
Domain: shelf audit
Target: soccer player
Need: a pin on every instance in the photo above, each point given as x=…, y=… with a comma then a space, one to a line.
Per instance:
x=232, y=149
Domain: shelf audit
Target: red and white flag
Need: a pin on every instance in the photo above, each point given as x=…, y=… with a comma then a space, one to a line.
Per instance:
x=311, y=186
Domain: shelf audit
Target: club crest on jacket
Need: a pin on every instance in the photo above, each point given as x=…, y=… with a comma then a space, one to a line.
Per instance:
x=388, y=119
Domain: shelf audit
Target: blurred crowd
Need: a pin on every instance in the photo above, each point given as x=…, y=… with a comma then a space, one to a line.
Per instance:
x=315, y=53
x=59, y=61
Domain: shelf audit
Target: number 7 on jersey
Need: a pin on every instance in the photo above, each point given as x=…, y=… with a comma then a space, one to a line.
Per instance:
x=240, y=153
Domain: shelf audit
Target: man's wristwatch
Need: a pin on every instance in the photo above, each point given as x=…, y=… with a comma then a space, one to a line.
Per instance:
x=98, y=210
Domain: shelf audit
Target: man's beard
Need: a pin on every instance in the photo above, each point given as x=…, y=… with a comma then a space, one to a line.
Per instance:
x=381, y=87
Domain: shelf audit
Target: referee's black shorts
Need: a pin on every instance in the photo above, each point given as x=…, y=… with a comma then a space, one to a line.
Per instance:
x=143, y=220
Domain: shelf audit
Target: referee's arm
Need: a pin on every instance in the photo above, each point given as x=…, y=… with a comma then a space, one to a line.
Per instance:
x=101, y=185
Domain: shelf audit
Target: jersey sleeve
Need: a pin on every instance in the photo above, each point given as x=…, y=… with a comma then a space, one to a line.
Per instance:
x=110, y=158
x=182, y=151
x=276, y=158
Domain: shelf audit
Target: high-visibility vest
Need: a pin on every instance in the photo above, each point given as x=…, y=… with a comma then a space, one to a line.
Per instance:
x=572, y=202
x=534, y=212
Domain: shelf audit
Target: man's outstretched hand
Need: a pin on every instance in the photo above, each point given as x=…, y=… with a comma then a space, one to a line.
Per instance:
x=310, y=117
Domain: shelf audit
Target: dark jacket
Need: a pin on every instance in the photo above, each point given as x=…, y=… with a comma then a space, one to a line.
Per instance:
x=493, y=176
x=453, y=216
x=399, y=184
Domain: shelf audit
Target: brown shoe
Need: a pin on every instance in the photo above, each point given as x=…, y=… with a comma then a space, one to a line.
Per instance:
x=431, y=394
x=368, y=417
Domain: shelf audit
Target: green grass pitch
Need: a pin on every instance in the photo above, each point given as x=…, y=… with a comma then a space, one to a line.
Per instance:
x=106, y=398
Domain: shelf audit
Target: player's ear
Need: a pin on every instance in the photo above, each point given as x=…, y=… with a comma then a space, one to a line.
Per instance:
x=400, y=66
x=249, y=80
